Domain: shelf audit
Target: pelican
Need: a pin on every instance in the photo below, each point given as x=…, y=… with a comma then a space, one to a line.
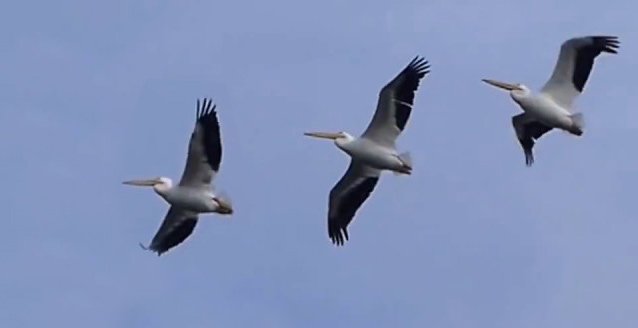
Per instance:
x=553, y=107
x=374, y=151
x=192, y=196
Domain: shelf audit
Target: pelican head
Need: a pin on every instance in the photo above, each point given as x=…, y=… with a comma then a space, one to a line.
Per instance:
x=159, y=183
x=516, y=90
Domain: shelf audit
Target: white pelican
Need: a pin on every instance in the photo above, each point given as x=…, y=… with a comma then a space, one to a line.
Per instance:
x=374, y=150
x=552, y=106
x=192, y=195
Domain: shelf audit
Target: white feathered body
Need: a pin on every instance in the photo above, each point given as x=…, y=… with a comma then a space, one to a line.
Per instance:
x=372, y=154
x=197, y=200
x=543, y=108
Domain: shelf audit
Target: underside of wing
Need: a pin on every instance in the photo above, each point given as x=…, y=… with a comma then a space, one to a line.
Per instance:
x=176, y=227
x=574, y=65
x=204, y=149
x=347, y=196
x=527, y=132
x=395, y=103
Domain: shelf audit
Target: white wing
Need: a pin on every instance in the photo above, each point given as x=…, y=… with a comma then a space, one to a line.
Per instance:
x=395, y=104
x=574, y=65
x=175, y=228
x=347, y=196
x=204, y=149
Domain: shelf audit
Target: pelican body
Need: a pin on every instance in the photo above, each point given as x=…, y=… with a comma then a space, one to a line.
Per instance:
x=374, y=151
x=193, y=195
x=185, y=197
x=553, y=106
x=367, y=151
x=545, y=110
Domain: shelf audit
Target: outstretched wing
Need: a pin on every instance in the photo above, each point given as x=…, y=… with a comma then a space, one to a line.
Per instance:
x=204, y=149
x=175, y=228
x=574, y=65
x=527, y=131
x=347, y=196
x=395, y=103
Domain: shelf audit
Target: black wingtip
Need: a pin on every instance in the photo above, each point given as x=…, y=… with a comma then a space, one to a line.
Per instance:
x=206, y=108
x=529, y=161
x=529, y=158
x=609, y=44
x=420, y=65
x=338, y=235
x=149, y=249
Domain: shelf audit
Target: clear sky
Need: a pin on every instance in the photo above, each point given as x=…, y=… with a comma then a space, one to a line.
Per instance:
x=92, y=94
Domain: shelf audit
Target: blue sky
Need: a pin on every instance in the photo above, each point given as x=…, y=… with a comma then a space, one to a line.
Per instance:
x=92, y=94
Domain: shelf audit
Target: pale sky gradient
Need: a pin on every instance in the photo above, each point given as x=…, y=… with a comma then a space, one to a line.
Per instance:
x=92, y=94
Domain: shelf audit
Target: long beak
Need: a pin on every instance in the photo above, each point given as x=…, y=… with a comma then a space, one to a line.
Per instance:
x=502, y=85
x=142, y=183
x=225, y=207
x=324, y=135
